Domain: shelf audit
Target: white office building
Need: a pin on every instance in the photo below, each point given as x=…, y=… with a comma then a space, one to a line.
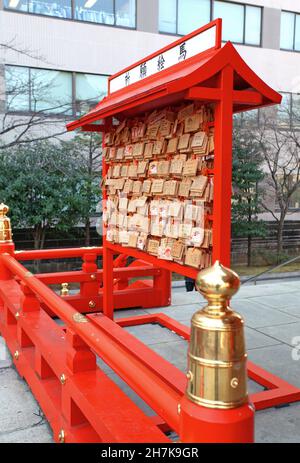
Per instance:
x=73, y=45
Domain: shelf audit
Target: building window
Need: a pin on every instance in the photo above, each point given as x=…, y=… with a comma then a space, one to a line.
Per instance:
x=247, y=119
x=52, y=92
x=89, y=90
x=112, y=12
x=241, y=23
x=290, y=31
x=288, y=114
x=59, y=9
x=190, y=16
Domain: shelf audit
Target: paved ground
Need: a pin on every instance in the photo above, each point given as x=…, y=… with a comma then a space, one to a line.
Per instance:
x=272, y=315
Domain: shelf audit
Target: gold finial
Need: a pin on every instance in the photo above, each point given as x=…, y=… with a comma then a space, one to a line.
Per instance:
x=217, y=359
x=5, y=226
x=64, y=291
x=63, y=379
x=217, y=283
x=16, y=355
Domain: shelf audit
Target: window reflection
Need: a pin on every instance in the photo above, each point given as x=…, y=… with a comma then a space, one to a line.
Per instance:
x=125, y=13
x=95, y=11
x=287, y=30
x=192, y=14
x=90, y=89
x=52, y=92
x=17, y=88
x=233, y=20
x=252, y=25
x=167, y=16
x=241, y=22
x=59, y=8
x=111, y=12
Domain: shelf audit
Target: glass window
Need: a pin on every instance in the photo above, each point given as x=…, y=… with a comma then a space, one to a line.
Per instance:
x=284, y=110
x=90, y=89
x=252, y=25
x=192, y=14
x=51, y=91
x=296, y=109
x=167, y=16
x=19, y=5
x=60, y=9
x=233, y=20
x=251, y=117
x=125, y=13
x=95, y=11
x=294, y=202
x=297, y=33
x=112, y=12
x=287, y=30
x=17, y=88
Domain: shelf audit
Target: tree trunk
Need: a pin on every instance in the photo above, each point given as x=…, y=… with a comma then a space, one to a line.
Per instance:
x=87, y=233
x=280, y=235
x=37, y=236
x=249, y=251
x=249, y=248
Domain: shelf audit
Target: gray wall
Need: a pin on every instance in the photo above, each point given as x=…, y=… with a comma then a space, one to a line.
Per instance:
x=271, y=28
x=147, y=15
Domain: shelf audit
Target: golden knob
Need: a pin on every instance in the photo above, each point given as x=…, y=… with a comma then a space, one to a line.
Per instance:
x=217, y=282
x=64, y=289
x=5, y=226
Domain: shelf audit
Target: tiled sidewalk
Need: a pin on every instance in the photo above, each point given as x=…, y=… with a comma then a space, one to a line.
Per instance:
x=272, y=316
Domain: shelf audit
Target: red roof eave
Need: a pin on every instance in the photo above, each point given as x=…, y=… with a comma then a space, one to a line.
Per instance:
x=177, y=79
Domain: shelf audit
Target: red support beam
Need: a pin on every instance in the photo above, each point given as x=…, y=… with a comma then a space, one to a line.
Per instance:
x=242, y=97
x=65, y=253
x=223, y=170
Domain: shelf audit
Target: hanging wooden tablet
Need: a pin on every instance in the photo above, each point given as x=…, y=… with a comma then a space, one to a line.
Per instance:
x=190, y=167
x=193, y=257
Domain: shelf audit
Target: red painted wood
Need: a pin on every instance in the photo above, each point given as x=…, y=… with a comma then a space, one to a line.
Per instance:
x=223, y=170
x=60, y=253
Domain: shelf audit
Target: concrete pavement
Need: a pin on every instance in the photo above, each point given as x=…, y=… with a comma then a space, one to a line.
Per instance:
x=272, y=315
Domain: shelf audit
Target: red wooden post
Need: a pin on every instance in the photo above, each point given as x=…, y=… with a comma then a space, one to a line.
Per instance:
x=108, y=283
x=90, y=289
x=223, y=170
x=29, y=303
x=79, y=358
x=79, y=355
x=162, y=288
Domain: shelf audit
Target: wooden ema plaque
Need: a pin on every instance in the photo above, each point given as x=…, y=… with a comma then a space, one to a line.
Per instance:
x=158, y=182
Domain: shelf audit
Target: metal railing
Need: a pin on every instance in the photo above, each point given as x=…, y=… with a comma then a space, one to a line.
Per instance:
x=255, y=277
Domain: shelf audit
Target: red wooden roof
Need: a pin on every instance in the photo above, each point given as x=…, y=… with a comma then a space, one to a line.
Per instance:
x=170, y=86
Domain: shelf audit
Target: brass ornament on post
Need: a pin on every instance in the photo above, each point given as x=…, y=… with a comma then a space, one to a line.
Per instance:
x=63, y=379
x=5, y=226
x=217, y=375
x=64, y=291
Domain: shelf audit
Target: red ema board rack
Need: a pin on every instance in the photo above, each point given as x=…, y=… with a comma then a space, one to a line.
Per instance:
x=193, y=77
